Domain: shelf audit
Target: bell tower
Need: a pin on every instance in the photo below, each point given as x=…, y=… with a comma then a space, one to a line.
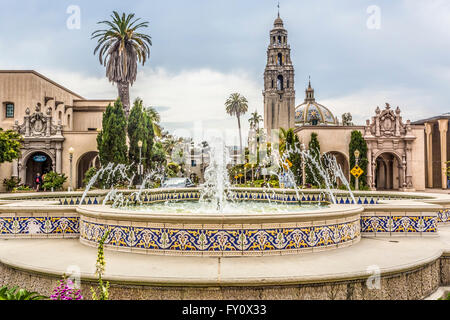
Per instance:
x=279, y=93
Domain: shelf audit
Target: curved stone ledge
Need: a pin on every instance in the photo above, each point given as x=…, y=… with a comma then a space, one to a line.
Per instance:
x=414, y=283
x=221, y=235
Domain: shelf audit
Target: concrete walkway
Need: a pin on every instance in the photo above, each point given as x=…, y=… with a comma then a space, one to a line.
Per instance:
x=57, y=256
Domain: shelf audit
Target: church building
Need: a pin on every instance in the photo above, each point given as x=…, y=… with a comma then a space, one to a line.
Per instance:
x=401, y=155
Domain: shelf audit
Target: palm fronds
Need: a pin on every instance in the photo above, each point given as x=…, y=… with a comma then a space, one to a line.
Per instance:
x=120, y=47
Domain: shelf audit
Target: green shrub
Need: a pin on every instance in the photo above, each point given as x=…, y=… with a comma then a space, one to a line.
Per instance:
x=54, y=181
x=21, y=294
x=22, y=188
x=11, y=183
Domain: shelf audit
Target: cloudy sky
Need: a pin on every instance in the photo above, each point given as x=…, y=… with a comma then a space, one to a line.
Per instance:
x=359, y=56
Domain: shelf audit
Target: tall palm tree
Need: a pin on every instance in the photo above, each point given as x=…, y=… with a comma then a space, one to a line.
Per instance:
x=237, y=105
x=120, y=47
x=254, y=120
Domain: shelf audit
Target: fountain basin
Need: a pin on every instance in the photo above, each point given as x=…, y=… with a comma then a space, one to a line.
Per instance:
x=213, y=234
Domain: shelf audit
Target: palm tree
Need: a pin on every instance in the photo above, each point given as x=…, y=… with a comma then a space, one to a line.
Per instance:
x=156, y=118
x=283, y=134
x=237, y=105
x=254, y=120
x=119, y=49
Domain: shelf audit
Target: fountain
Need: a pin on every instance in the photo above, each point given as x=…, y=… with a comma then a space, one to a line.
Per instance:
x=219, y=219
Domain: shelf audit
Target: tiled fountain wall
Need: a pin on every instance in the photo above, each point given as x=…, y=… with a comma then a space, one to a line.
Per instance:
x=63, y=221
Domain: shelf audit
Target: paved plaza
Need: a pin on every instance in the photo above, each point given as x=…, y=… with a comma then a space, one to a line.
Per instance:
x=394, y=254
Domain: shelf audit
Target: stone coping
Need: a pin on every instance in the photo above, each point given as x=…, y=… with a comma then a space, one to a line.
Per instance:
x=35, y=256
x=331, y=212
x=37, y=209
x=403, y=206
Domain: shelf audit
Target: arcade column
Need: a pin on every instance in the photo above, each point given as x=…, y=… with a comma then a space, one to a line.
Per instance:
x=443, y=128
x=429, y=139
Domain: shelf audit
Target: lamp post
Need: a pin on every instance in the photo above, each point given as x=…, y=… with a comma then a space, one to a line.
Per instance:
x=71, y=151
x=140, y=169
x=303, y=147
x=357, y=154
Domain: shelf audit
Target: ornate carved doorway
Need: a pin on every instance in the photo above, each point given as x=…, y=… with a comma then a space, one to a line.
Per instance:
x=389, y=154
x=38, y=162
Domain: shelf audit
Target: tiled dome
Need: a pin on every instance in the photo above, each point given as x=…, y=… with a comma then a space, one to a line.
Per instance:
x=312, y=113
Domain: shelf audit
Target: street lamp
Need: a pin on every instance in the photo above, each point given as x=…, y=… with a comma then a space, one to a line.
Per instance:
x=140, y=169
x=71, y=151
x=357, y=154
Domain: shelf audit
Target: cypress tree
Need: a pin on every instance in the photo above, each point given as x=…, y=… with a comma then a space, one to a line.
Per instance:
x=293, y=145
x=112, y=141
x=148, y=141
x=140, y=128
x=310, y=169
x=357, y=142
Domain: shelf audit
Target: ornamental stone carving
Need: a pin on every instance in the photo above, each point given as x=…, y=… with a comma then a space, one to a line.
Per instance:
x=40, y=135
x=387, y=133
x=386, y=123
x=38, y=124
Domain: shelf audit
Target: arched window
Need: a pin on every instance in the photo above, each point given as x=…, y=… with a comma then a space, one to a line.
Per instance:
x=273, y=39
x=287, y=84
x=60, y=115
x=279, y=39
x=68, y=120
x=9, y=110
x=272, y=83
x=280, y=59
x=280, y=85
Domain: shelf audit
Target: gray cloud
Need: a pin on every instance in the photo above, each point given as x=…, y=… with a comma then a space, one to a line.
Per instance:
x=352, y=68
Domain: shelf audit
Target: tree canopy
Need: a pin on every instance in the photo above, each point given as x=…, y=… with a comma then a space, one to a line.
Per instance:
x=140, y=128
x=357, y=142
x=112, y=141
x=10, y=144
x=312, y=172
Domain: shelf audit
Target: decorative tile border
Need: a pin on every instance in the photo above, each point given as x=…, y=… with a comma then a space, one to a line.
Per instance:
x=232, y=241
x=275, y=195
x=398, y=224
x=443, y=216
x=39, y=226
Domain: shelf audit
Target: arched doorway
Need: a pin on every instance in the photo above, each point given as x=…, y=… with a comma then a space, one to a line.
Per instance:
x=37, y=162
x=342, y=162
x=388, y=172
x=85, y=162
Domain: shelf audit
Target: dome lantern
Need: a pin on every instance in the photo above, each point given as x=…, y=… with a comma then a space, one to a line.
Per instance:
x=312, y=113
